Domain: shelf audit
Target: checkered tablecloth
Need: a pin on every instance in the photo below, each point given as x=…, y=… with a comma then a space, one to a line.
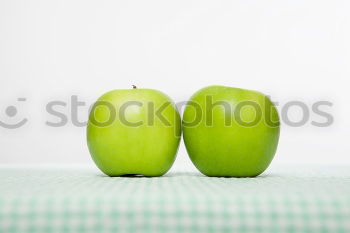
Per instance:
x=83, y=200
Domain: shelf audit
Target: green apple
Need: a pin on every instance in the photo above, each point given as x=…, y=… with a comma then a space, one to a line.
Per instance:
x=134, y=132
x=230, y=132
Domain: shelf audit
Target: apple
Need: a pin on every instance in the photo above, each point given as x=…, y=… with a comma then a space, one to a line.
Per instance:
x=230, y=132
x=134, y=132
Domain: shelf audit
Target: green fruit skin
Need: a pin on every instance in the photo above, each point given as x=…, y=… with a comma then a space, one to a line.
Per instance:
x=234, y=150
x=121, y=149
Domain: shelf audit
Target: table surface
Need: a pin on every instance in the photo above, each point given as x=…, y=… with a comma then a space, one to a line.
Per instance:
x=286, y=199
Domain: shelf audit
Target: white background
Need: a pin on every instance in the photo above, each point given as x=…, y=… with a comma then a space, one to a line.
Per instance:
x=290, y=50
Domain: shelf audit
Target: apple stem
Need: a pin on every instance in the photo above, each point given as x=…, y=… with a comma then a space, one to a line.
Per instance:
x=134, y=87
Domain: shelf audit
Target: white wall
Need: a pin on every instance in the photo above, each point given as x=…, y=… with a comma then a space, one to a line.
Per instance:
x=291, y=50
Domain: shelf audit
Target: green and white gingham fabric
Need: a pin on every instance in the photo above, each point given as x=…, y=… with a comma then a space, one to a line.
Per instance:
x=312, y=200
